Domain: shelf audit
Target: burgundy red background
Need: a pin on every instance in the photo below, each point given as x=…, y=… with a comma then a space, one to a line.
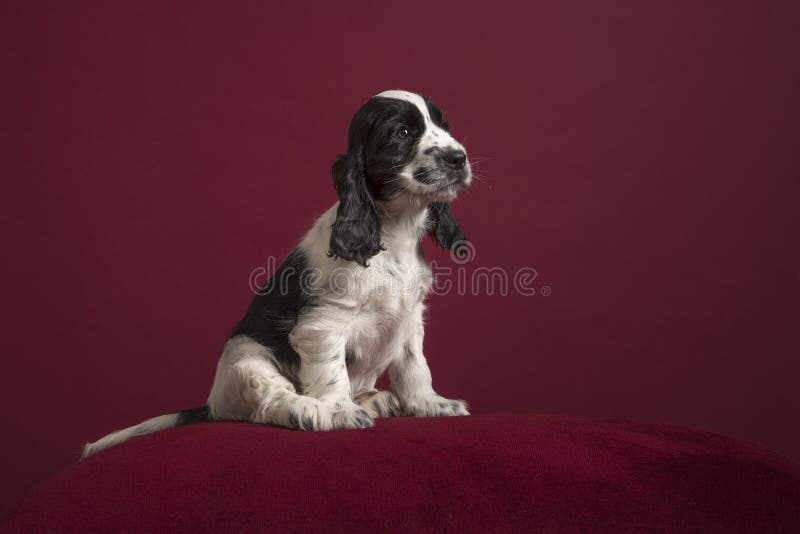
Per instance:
x=641, y=156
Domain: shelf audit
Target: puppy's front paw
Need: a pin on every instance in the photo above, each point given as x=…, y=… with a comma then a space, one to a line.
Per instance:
x=434, y=406
x=349, y=415
x=380, y=403
x=307, y=413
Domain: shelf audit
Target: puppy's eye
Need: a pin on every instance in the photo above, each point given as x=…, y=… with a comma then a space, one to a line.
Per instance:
x=402, y=133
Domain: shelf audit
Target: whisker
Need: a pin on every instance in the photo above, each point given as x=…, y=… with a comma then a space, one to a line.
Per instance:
x=482, y=181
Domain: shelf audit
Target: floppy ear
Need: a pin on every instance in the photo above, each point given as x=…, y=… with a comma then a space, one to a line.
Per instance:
x=443, y=227
x=356, y=232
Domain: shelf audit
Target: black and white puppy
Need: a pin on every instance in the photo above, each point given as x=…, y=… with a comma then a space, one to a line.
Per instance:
x=347, y=304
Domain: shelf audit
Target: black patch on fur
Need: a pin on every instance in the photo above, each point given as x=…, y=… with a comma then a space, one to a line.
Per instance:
x=443, y=227
x=373, y=137
x=356, y=232
x=273, y=313
x=349, y=357
x=308, y=423
x=201, y=414
x=436, y=114
x=293, y=420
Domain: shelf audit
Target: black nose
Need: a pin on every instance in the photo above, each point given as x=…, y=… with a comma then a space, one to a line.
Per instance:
x=455, y=158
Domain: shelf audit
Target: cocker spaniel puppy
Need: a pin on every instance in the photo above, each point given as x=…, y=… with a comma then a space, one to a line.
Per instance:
x=346, y=305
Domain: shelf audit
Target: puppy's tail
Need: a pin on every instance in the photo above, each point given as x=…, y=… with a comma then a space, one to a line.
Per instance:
x=162, y=422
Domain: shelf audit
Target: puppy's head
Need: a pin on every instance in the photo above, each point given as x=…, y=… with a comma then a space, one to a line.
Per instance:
x=407, y=146
x=399, y=144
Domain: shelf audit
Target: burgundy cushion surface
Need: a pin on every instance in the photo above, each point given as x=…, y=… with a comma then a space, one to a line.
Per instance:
x=490, y=473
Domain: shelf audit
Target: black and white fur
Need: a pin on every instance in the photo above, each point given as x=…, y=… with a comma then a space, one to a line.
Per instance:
x=308, y=351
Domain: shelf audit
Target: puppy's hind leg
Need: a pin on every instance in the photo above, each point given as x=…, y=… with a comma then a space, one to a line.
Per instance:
x=271, y=399
x=249, y=386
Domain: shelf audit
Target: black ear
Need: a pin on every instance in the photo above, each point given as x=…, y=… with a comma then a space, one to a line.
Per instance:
x=356, y=232
x=443, y=227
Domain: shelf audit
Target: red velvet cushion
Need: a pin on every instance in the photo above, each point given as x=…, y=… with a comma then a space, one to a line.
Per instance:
x=486, y=473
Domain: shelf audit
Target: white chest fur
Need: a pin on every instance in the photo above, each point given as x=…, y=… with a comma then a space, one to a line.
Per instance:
x=374, y=306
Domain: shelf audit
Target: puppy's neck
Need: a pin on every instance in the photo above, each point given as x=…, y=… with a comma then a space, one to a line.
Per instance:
x=403, y=219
